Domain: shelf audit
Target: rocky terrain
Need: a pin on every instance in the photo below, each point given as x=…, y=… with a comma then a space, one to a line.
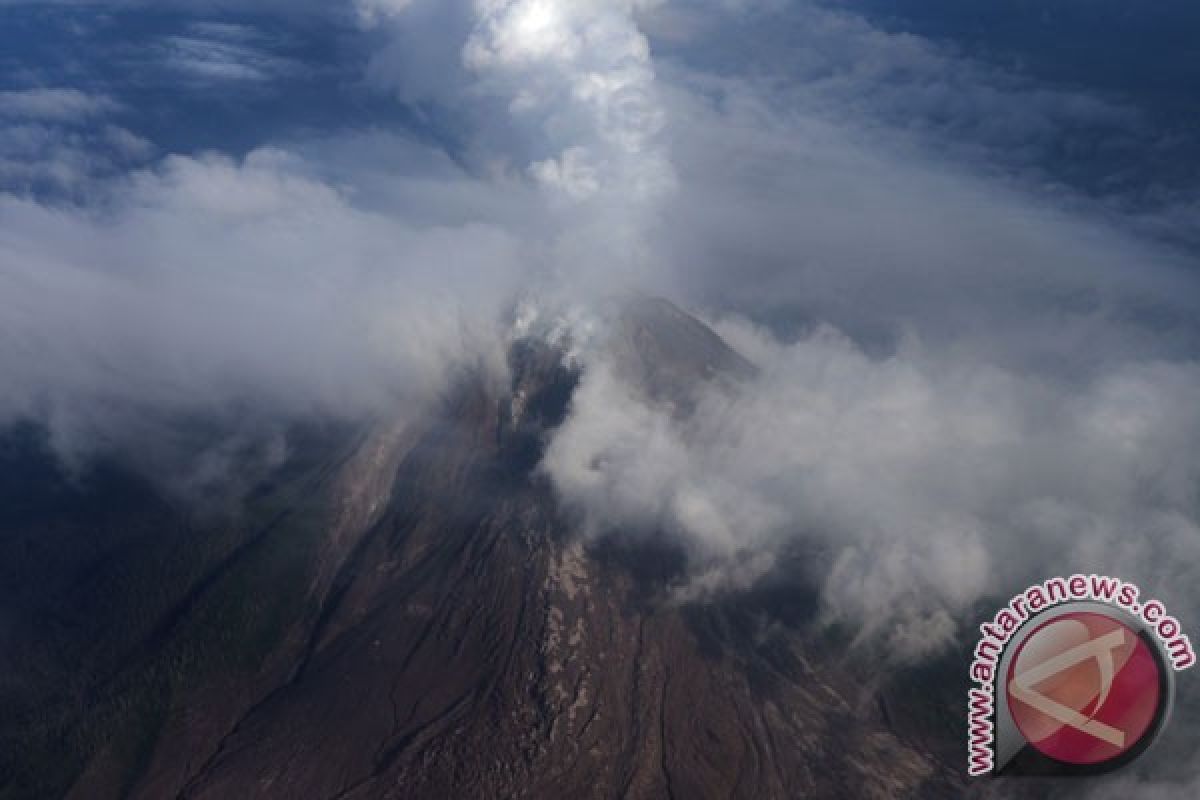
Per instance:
x=404, y=611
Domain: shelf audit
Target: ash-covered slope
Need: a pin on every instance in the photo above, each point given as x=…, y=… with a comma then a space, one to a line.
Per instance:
x=446, y=635
x=669, y=353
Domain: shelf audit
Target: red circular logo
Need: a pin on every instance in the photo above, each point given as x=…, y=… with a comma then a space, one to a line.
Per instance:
x=1084, y=688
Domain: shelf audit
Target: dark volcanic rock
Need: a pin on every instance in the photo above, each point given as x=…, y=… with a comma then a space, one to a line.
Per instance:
x=448, y=637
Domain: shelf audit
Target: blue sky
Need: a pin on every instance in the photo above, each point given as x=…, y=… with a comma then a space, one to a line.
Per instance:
x=229, y=77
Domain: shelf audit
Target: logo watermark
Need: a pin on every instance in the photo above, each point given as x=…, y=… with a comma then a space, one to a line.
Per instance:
x=1073, y=676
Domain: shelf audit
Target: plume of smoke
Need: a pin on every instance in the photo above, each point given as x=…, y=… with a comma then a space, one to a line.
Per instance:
x=560, y=93
x=578, y=81
x=933, y=471
x=212, y=284
x=582, y=70
x=932, y=482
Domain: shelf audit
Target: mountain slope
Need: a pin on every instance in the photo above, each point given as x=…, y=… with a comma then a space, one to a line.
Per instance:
x=445, y=634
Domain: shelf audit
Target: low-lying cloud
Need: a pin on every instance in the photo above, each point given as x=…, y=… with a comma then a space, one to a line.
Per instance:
x=966, y=379
x=929, y=481
x=206, y=284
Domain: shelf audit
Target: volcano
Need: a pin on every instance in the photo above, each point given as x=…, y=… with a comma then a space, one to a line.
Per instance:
x=404, y=610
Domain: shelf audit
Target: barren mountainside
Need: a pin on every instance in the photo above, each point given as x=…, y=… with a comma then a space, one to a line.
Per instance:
x=404, y=611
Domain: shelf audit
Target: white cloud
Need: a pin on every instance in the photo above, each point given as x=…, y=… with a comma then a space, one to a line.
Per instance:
x=372, y=12
x=209, y=284
x=793, y=215
x=968, y=379
x=128, y=145
x=66, y=158
x=582, y=70
x=213, y=52
x=932, y=481
x=57, y=105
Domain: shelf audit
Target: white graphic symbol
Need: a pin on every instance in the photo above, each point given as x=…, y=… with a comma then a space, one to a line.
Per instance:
x=1101, y=649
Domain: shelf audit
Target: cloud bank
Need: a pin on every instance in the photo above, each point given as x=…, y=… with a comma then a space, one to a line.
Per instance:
x=929, y=481
x=207, y=287
x=966, y=378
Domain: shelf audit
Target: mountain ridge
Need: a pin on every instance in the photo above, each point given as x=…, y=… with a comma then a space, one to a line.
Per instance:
x=452, y=636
